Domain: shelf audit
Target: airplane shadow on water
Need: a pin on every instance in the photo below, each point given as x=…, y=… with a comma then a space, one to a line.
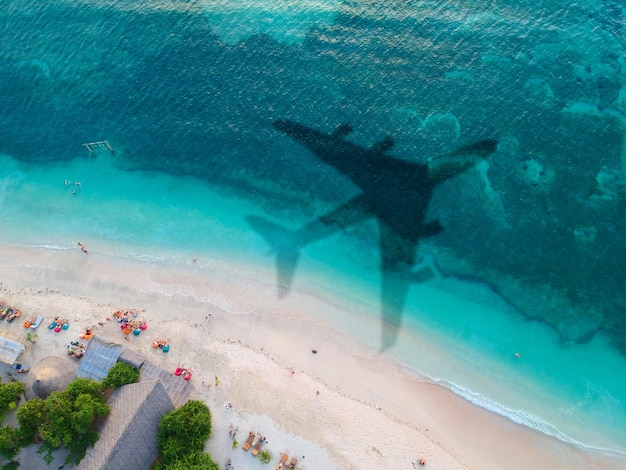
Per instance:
x=394, y=192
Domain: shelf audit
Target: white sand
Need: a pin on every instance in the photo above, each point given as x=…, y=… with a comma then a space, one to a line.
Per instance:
x=370, y=412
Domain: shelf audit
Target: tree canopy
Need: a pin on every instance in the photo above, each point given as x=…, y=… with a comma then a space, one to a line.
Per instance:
x=194, y=461
x=9, y=442
x=67, y=419
x=9, y=393
x=29, y=416
x=121, y=374
x=64, y=419
x=184, y=432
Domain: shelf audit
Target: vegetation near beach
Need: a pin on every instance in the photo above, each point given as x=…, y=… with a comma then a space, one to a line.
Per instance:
x=64, y=419
x=9, y=393
x=9, y=437
x=265, y=456
x=29, y=417
x=11, y=465
x=67, y=419
x=181, y=438
x=9, y=442
x=121, y=374
x=195, y=461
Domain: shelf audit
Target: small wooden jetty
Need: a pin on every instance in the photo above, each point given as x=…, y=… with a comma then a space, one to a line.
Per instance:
x=97, y=147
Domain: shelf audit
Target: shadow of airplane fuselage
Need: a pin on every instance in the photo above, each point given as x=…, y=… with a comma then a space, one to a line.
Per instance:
x=395, y=193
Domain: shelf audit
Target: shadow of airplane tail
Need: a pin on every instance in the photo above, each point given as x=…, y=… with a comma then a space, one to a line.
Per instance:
x=283, y=243
x=286, y=245
x=394, y=289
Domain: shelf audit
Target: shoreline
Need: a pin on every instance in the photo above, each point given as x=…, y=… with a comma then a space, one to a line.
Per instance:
x=369, y=407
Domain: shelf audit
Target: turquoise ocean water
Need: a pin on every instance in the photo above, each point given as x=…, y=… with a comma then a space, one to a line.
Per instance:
x=531, y=259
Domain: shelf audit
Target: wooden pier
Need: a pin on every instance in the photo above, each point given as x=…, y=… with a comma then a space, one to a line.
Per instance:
x=98, y=147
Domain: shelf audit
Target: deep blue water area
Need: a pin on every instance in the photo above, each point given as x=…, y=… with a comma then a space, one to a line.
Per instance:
x=189, y=90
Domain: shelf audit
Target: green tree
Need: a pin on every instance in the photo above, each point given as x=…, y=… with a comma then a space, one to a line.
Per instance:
x=81, y=386
x=194, y=461
x=265, y=456
x=30, y=416
x=64, y=419
x=9, y=442
x=184, y=431
x=85, y=410
x=9, y=393
x=121, y=374
x=70, y=419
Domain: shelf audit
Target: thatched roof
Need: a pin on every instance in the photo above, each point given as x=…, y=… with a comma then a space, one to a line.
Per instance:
x=99, y=357
x=52, y=373
x=178, y=389
x=132, y=357
x=128, y=435
x=10, y=350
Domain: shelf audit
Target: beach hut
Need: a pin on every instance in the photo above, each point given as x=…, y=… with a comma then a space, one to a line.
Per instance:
x=178, y=390
x=50, y=374
x=128, y=436
x=132, y=358
x=10, y=350
x=99, y=357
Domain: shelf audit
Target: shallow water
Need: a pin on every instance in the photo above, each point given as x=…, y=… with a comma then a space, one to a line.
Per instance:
x=186, y=92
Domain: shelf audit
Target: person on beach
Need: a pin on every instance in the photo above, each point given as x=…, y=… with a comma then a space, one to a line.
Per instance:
x=82, y=247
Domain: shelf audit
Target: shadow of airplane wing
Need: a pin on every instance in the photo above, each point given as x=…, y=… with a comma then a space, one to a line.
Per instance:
x=395, y=192
x=286, y=244
x=397, y=255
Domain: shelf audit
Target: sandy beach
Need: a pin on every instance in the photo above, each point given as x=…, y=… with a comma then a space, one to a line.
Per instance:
x=347, y=406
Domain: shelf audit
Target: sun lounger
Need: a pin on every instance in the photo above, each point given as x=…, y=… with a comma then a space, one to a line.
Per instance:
x=293, y=463
x=257, y=446
x=12, y=316
x=282, y=461
x=36, y=323
x=248, y=442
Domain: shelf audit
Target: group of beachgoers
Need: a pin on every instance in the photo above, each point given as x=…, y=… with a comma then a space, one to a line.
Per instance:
x=76, y=349
x=282, y=463
x=9, y=313
x=162, y=344
x=59, y=324
x=183, y=372
x=12, y=313
x=254, y=441
x=129, y=323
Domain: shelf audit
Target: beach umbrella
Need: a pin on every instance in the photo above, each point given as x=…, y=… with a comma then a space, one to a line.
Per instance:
x=52, y=373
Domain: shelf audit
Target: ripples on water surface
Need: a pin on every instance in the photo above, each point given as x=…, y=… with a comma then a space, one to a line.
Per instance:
x=187, y=91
